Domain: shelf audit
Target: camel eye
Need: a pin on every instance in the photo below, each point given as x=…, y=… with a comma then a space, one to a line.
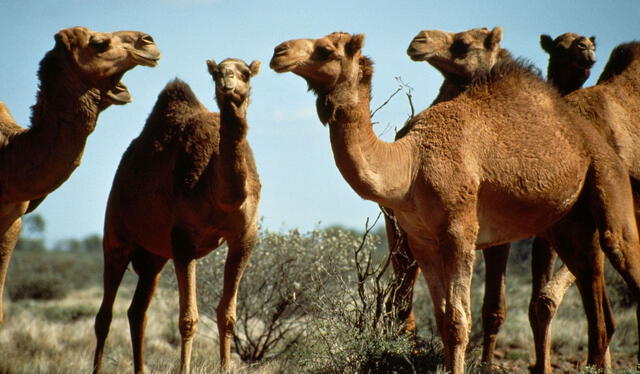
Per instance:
x=323, y=53
x=100, y=44
x=459, y=47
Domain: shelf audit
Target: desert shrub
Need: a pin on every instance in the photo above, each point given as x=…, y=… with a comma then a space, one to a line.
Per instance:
x=281, y=280
x=49, y=275
x=37, y=286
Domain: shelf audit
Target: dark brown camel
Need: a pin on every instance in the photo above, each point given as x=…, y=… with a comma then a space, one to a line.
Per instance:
x=185, y=185
x=79, y=78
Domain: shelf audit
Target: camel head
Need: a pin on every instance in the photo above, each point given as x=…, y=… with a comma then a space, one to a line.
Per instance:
x=458, y=55
x=231, y=78
x=324, y=62
x=99, y=60
x=570, y=49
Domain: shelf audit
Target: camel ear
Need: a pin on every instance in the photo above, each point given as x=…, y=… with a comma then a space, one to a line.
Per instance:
x=212, y=66
x=255, y=67
x=65, y=38
x=546, y=42
x=355, y=44
x=494, y=38
x=593, y=40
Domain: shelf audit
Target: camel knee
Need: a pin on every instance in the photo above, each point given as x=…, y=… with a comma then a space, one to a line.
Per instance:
x=226, y=323
x=545, y=308
x=493, y=320
x=188, y=327
x=102, y=323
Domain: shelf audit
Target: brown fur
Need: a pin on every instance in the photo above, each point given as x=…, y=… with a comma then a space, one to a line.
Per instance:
x=476, y=52
x=184, y=186
x=79, y=78
x=571, y=57
x=477, y=171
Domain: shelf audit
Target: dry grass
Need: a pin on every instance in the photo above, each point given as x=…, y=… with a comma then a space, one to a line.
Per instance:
x=56, y=336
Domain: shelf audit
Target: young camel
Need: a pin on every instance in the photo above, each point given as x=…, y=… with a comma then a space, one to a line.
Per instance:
x=79, y=78
x=185, y=185
x=460, y=57
x=451, y=196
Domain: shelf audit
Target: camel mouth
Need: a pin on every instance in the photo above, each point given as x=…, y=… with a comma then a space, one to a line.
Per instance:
x=147, y=58
x=279, y=67
x=119, y=95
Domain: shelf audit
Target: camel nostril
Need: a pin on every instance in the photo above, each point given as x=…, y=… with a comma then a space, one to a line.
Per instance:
x=280, y=50
x=147, y=39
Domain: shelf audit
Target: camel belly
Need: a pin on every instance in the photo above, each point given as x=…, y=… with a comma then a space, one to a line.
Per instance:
x=502, y=216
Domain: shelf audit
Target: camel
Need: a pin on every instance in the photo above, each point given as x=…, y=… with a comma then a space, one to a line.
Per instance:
x=571, y=57
x=184, y=186
x=438, y=48
x=460, y=57
x=79, y=78
x=451, y=196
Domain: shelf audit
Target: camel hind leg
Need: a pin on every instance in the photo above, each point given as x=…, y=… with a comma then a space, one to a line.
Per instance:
x=237, y=259
x=494, y=308
x=613, y=210
x=148, y=267
x=116, y=260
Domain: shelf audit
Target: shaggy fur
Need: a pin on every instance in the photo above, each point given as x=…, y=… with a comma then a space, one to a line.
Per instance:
x=184, y=186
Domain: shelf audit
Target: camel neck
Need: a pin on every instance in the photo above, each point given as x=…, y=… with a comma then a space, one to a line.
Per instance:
x=376, y=170
x=232, y=170
x=41, y=158
x=566, y=79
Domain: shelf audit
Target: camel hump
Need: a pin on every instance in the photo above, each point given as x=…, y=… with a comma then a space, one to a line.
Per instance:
x=178, y=90
x=621, y=57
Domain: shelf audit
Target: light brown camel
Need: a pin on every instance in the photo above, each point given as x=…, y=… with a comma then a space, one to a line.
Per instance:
x=79, y=78
x=460, y=57
x=184, y=186
x=452, y=195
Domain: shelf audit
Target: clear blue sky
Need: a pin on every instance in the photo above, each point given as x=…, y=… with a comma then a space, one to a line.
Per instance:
x=301, y=185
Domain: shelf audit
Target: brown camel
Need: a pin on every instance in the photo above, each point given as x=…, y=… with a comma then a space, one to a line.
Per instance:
x=79, y=78
x=571, y=57
x=438, y=48
x=460, y=57
x=451, y=195
x=185, y=185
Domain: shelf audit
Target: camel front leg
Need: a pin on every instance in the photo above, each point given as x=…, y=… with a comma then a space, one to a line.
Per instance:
x=237, y=260
x=7, y=244
x=459, y=258
x=448, y=268
x=494, y=308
